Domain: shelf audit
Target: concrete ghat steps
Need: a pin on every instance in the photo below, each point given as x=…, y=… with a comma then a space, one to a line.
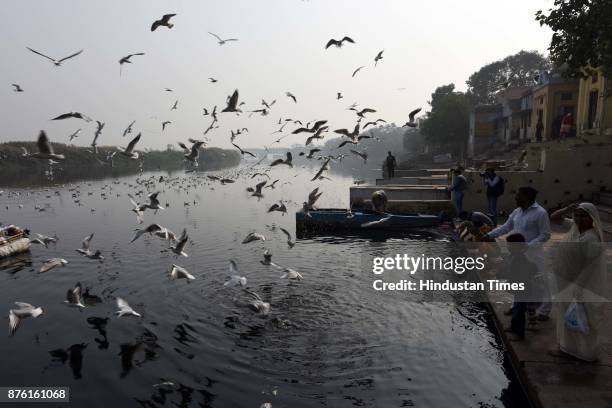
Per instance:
x=410, y=192
x=419, y=172
x=437, y=180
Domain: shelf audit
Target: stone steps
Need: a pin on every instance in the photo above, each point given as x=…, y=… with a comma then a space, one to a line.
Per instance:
x=437, y=180
x=408, y=192
x=431, y=207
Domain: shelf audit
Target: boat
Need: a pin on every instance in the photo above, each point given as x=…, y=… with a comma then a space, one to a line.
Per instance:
x=13, y=241
x=342, y=219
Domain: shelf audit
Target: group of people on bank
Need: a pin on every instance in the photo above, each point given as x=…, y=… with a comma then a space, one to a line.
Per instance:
x=578, y=264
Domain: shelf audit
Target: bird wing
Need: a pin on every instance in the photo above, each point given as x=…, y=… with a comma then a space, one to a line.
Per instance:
x=332, y=42
x=343, y=132
x=289, y=157
x=14, y=321
x=154, y=228
x=233, y=99
x=70, y=56
x=87, y=242
x=41, y=54
x=166, y=17
x=349, y=39
x=50, y=264
x=122, y=304
x=259, y=186
x=132, y=200
x=43, y=143
x=286, y=233
x=215, y=35
x=233, y=268
x=357, y=70
x=276, y=162
x=132, y=144
x=182, y=241
x=412, y=114
x=155, y=24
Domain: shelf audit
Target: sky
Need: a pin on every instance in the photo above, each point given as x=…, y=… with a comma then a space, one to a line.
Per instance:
x=281, y=48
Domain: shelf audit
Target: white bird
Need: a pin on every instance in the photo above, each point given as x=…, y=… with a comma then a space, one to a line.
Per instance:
x=411, y=122
x=178, y=272
x=291, y=274
x=45, y=150
x=58, y=62
x=138, y=208
x=129, y=150
x=234, y=276
x=85, y=250
x=179, y=247
x=52, y=263
x=154, y=202
x=258, y=305
x=75, y=135
x=156, y=229
x=46, y=239
x=24, y=310
x=74, y=296
x=125, y=309
x=129, y=128
x=220, y=40
x=257, y=190
x=290, y=242
x=253, y=236
x=287, y=161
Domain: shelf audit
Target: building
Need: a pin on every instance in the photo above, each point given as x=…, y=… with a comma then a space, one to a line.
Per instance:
x=594, y=113
x=509, y=124
x=553, y=98
x=483, y=128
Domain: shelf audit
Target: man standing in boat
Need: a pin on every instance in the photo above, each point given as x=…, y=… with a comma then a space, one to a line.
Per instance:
x=391, y=165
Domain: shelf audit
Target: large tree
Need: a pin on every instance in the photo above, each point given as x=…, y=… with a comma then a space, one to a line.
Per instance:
x=514, y=70
x=582, y=35
x=446, y=125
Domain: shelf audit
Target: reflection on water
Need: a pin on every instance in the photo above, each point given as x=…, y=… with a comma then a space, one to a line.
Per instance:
x=330, y=340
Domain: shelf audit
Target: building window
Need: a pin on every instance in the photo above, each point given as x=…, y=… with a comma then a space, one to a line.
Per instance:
x=566, y=96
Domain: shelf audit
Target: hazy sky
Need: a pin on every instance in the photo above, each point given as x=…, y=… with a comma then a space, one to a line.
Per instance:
x=281, y=48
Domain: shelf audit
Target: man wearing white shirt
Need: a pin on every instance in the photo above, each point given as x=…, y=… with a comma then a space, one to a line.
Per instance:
x=531, y=220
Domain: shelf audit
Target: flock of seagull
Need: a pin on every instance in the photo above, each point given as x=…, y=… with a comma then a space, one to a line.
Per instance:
x=313, y=130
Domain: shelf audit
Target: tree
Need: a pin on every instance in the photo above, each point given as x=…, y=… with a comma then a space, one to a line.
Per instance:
x=514, y=70
x=582, y=35
x=446, y=126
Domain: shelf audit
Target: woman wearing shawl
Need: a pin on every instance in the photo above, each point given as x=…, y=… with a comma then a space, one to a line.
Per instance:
x=581, y=277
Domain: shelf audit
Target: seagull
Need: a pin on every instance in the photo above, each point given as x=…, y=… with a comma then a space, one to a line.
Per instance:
x=324, y=167
x=232, y=103
x=243, y=152
x=378, y=57
x=292, y=96
x=138, y=208
x=287, y=161
x=268, y=259
x=339, y=95
x=339, y=43
x=164, y=21
x=350, y=135
x=374, y=123
x=129, y=150
x=154, y=202
x=75, y=134
x=278, y=207
x=363, y=155
x=94, y=144
x=57, y=63
x=213, y=80
x=290, y=242
x=257, y=191
x=179, y=247
x=313, y=196
x=178, y=272
x=315, y=127
x=45, y=150
x=45, y=239
x=175, y=105
x=24, y=310
x=129, y=128
x=253, y=236
x=125, y=309
x=234, y=276
x=362, y=112
x=291, y=274
x=52, y=263
x=126, y=60
x=221, y=41
x=311, y=152
x=17, y=88
x=74, y=296
x=258, y=305
x=86, y=249
x=152, y=229
x=317, y=135
x=194, y=153
x=357, y=70
x=75, y=115
x=167, y=122
x=411, y=115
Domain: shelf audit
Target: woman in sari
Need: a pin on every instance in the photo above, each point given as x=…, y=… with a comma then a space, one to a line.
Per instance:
x=581, y=277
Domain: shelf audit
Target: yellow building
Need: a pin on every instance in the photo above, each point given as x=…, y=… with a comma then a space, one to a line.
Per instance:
x=553, y=98
x=594, y=106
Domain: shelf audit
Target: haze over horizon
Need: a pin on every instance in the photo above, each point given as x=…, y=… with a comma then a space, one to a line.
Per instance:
x=280, y=48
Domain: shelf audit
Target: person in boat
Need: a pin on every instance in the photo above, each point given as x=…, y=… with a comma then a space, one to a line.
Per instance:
x=581, y=272
x=379, y=201
x=474, y=225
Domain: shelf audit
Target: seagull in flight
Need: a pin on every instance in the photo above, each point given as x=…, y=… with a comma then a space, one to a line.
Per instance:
x=290, y=242
x=339, y=43
x=167, y=122
x=178, y=272
x=125, y=309
x=243, y=152
x=85, y=250
x=253, y=236
x=234, y=276
x=257, y=190
x=126, y=60
x=129, y=150
x=74, y=296
x=152, y=229
x=411, y=115
x=75, y=115
x=292, y=96
x=75, y=134
x=164, y=21
x=45, y=150
x=378, y=57
x=175, y=105
x=220, y=40
x=232, y=103
x=287, y=161
x=357, y=70
x=57, y=63
x=52, y=263
x=23, y=311
x=129, y=128
x=179, y=247
x=17, y=88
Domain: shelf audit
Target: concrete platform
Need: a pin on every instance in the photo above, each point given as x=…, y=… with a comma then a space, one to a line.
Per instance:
x=437, y=180
x=405, y=207
x=394, y=193
x=418, y=172
x=552, y=382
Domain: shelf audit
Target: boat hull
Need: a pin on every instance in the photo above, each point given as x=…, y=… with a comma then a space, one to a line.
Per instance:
x=340, y=219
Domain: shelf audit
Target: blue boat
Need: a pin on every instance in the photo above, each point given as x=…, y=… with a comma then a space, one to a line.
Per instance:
x=341, y=219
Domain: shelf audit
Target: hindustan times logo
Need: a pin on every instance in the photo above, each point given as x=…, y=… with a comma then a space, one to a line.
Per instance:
x=412, y=264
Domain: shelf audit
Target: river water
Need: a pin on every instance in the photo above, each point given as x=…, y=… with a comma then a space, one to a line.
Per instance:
x=329, y=341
